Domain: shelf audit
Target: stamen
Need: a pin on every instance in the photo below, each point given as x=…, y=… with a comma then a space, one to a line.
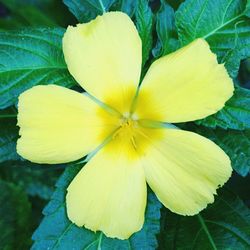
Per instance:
x=133, y=142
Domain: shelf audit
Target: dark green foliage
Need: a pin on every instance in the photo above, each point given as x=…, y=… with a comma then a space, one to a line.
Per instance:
x=235, y=114
x=28, y=13
x=144, y=24
x=222, y=23
x=14, y=217
x=234, y=142
x=8, y=136
x=86, y=10
x=248, y=9
x=237, y=145
x=57, y=232
x=37, y=180
x=128, y=6
x=34, y=13
x=166, y=31
x=223, y=225
x=30, y=57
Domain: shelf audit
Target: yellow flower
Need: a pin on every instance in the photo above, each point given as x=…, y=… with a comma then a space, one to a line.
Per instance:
x=128, y=128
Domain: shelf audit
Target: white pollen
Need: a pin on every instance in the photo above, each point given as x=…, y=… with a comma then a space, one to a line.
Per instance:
x=126, y=114
x=134, y=117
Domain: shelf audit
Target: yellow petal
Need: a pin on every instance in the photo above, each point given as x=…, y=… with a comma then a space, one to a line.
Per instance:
x=184, y=170
x=104, y=56
x=59, y=125
x=186, y=85
x=109, y=194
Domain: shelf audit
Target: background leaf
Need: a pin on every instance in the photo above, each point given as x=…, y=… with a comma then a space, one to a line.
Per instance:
x=234, y=142
x=14, y=217
x=226, y=28
x=86, y=10
x=30, y=57
x=144, y=24
x=29, y=13
x=234, y=115
x=57, y=232
x=237, y=145
x=223, y=225
x=8, y=136
x=128, y=6
x=36, y=180
x=166, y=31
x=248, y=8
x=34, y=13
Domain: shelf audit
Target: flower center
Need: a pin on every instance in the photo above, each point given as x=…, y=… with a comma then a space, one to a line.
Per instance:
x=132, y=138
x=127, y=130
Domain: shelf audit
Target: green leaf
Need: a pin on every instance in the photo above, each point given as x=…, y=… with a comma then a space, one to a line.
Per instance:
x=144, y=24
x=30, y=57
x=235, y=143
x=166, y=31
x=234, y=115
x=28, y=13
x=10, y=23
x=34, y=13
x=14, y=217
x=86, y=10
x=241, y=187
x=226, y=28
x=37, y=180
x=128, y=6
x=248, y=8
x=35, y=17
x=223, y=225
x=57, y=232
x=8, y=136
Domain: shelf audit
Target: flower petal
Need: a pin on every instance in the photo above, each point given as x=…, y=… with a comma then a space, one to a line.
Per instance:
x=186, y=85
x=104, y=56
x=184, y=170
x=109, y=194
x=59, y=125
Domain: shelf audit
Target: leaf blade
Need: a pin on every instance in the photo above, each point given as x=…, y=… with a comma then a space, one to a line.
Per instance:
x=234, y=115
x=14, y=217
x=144, y=24
x=227, y=222
x=227, y=30
x=236, y=144
x=166, y=31
x=30, y=57
x=86, y=10
x=8, y=136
